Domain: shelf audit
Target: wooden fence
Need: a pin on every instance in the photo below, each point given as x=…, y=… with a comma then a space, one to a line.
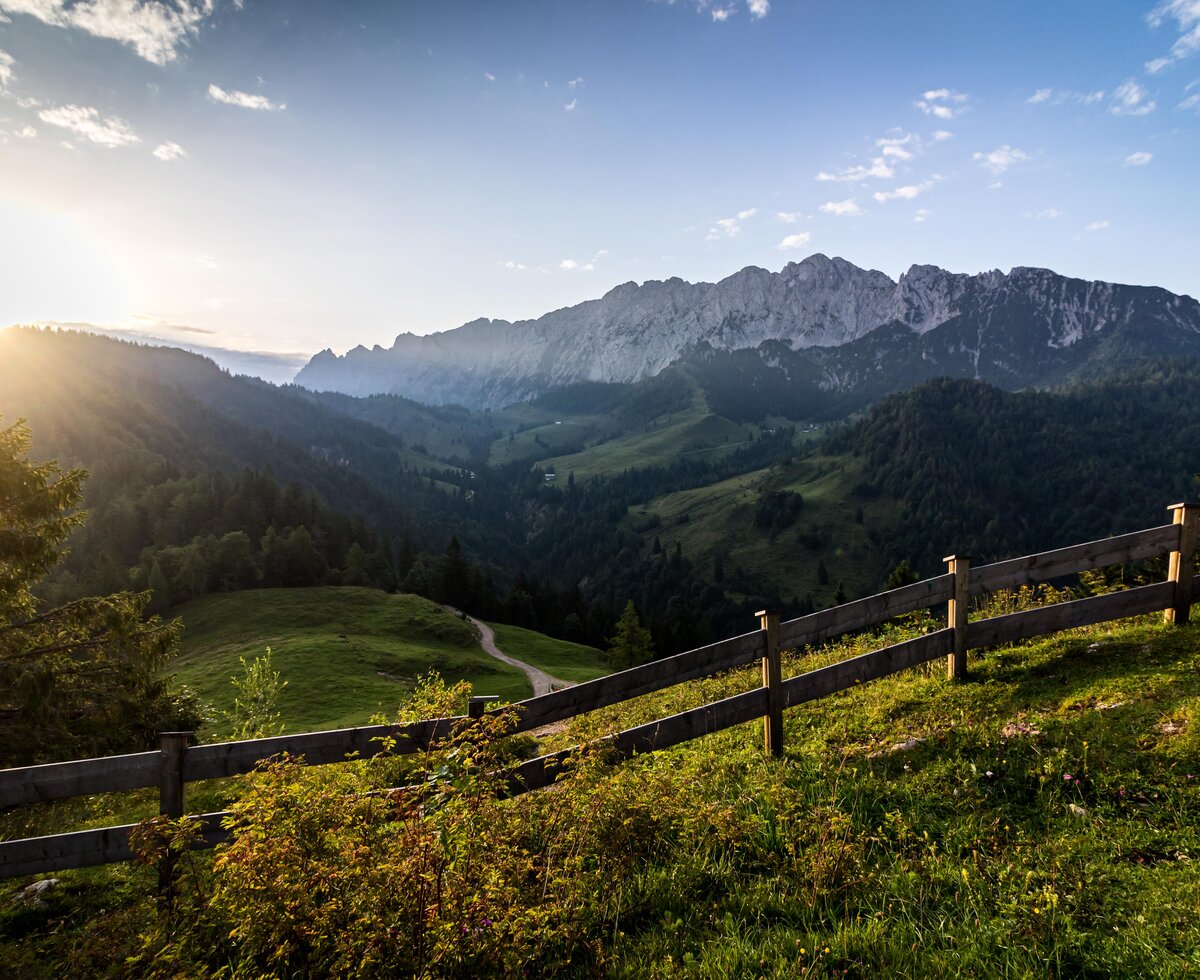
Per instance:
x=177, y=763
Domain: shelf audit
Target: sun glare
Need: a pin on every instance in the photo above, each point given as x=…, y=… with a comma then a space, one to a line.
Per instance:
x=54, y=270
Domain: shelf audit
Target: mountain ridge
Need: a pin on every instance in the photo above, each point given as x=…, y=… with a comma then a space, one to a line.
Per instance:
x=818, y=305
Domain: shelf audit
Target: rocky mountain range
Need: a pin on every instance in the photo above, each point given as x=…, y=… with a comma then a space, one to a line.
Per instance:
x=835, y=334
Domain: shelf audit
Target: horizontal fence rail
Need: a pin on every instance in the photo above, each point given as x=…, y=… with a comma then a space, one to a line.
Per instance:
x=175, y=765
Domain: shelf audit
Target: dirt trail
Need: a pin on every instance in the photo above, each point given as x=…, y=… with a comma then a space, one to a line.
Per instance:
x=542, y=682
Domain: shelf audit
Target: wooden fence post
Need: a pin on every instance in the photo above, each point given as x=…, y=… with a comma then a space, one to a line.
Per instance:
x=956, y=615
x=1179, y=568
x=477, y=704
x=172, y=747
x=772, y=678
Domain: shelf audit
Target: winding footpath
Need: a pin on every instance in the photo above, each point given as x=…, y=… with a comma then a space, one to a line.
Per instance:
x=542, y=682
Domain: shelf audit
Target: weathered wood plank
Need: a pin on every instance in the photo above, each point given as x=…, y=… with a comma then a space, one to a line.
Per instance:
x=1015, y=572
x=871, y=666
x=1067, y=615
x=737, y=651
x=86, y=848
x=861, y=613
x=82, y=777
x=651, y=737
x=317, y=748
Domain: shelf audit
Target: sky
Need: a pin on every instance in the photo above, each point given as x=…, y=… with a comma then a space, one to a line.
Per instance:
x=274, y=178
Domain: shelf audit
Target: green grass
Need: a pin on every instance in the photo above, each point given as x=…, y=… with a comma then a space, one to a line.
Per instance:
x=559, y=658
x=346, y=653
x=719, y=519
x=1045, y=821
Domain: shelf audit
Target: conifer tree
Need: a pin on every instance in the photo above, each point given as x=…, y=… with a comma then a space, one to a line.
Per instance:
x=631, y=643
x=80, y=678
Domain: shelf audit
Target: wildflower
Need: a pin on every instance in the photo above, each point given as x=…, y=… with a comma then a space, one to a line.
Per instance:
x=1067, y=777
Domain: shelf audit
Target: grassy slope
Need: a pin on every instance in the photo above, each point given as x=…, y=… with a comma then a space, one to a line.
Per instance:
x=346, y=653
x=970, y=854
x=720, y=519
x=559, y=658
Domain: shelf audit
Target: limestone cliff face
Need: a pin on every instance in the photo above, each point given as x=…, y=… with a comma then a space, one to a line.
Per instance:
x=633, y=331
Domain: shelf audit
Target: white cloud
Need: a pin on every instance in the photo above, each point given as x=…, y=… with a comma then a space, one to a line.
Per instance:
x=1046, y=214
x=942, y=103
x=168, y=151
x=1064, y=96
x=896, y=146
x=722, y=14
x=1192, y=101
x=518, y=266
x=489, y=76
x=729, y=226
x=27, y=133
x=758, y=8
x=575, y=83
x=155, y=29
x=1001, y=158
x=571, y=265
x=842, y=209
x=905, y=193
x=879, y=169
x=798, y=240
x=6, y=68
x=86, y=122
x=788, y=217
x=570, y=106
x=1130, y=99
x=920, y=215
x=941, y=135
x=243, y=100
x=1098, y=226
x=1186, y=14
x=1138, y=159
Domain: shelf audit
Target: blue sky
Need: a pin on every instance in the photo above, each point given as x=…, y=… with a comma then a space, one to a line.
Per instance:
x=283, y=177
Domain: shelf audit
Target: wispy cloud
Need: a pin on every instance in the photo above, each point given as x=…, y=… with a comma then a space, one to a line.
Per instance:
x=1186, y=14
x=897, y=147
x=722, y=14
x=570, y=106
x=941, y=135
x=6, y=68
x=1130, y=99
x=799, y=240
x=1001, y=158
x=729, y=227
x=515, y=266
x=842, y=209
x=942, y=103
x=788, y=217
x=1098, y=226
x=1049, y=95
x=155, y=29
x=1138, y=159
x=758, y=8
x=879, y=168
x=87, y=123
x=920, y=215
x=244, y=100
x=1192, y=101
x=907, y=192
x=1046, y=214
x=575, y=83
x=168, y=151
x=27, y=133
x=489, y=76
x=571, y=265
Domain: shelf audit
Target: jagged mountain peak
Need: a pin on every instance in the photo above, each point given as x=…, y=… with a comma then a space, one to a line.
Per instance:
x=816, y=304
